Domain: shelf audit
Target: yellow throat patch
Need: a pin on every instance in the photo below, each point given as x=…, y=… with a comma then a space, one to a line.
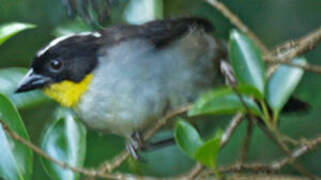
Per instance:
x=68, y=93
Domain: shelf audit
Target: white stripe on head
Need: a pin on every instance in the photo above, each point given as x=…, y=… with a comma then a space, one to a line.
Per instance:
x=95, y=34
x=62, y=38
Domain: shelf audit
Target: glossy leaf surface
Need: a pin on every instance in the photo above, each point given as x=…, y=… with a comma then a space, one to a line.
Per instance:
x=282, y=84
x=16, y=159
x=208, y=152
x=187, y=138
x=64, y=140
x=10, y=29
x=246, y=61
x=222, y=101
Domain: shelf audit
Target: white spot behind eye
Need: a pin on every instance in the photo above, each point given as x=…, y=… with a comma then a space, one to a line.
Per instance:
x=60, y=39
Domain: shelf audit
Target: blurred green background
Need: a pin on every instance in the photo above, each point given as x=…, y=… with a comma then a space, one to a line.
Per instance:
x=273, y=21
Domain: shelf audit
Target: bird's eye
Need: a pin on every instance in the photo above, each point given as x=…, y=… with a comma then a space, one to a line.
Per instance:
x=56, y=64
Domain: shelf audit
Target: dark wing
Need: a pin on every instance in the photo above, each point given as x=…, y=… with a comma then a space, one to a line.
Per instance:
x=159, y=32
x=164, y=32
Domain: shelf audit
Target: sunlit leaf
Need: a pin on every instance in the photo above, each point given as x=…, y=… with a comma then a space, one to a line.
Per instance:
x=246, y=61
x=9, y=79
x=16, y=159
x=72, y=27
x=250, y=91
x=223, y=101
x=10, y=29
x=282, y=84
x=208, y=152
x=142, y=11
x=64, y=140
x=187, y=138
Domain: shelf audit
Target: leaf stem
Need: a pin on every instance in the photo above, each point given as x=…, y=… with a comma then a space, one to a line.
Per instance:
x=266, y=118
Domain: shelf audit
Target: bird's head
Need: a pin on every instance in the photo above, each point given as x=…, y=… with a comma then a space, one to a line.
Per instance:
x=63, y=68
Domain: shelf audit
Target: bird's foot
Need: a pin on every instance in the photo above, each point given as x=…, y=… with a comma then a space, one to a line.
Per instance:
x=136, y=143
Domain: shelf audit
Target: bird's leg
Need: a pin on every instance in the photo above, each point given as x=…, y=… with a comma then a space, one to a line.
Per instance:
x=159, y=144
x=136, y=143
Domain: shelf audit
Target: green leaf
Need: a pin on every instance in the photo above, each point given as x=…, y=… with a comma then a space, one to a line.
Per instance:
x=223, y=101
x=77, y=26
x=16, y=159
x=9, y=79
x=64, y=140
x=282, y=84
x=250, y=91
x=187, y=138
x=142, y=11
x=208, y=152
x=246, y=61
x=11, y=29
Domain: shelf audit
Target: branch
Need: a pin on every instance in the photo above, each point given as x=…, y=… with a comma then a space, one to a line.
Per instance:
x=293, y=48
x=277, y=165
x=306, y=147
x=274, y=166
x=109, y=166
x=283, y=53
x=238, y=23
x=237, y=119
x=274, y=135
x=246, y=142
x=89, y=172
x=235, y=122
x=64, y=165
x=237, y=176
x=306, y=67
x=271, y=131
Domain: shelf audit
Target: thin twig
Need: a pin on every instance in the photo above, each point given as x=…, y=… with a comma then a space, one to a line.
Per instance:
x=308, y=146
x=37, y=150
x=231, y=81
x=193, y=172
x=274, y=135
x=87, y=172
x=284, y=52
x=306, y=67
x=246, y=142
x=263, y=176
x=295, y=48
x=161, y=122
x=237, y=119
x=277, y=165
x=235, y=20
x=109, y=166
x=235, y=122
x=292, y=49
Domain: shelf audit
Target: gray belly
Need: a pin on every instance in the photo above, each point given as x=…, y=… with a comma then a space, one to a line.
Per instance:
x=134, y=83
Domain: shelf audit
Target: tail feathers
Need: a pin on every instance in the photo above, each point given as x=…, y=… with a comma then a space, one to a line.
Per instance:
x=296, y=105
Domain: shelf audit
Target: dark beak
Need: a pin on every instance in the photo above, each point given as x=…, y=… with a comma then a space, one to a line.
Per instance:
x=32, y=81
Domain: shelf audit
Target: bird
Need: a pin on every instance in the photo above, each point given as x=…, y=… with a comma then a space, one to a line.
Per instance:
x=121, y=79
